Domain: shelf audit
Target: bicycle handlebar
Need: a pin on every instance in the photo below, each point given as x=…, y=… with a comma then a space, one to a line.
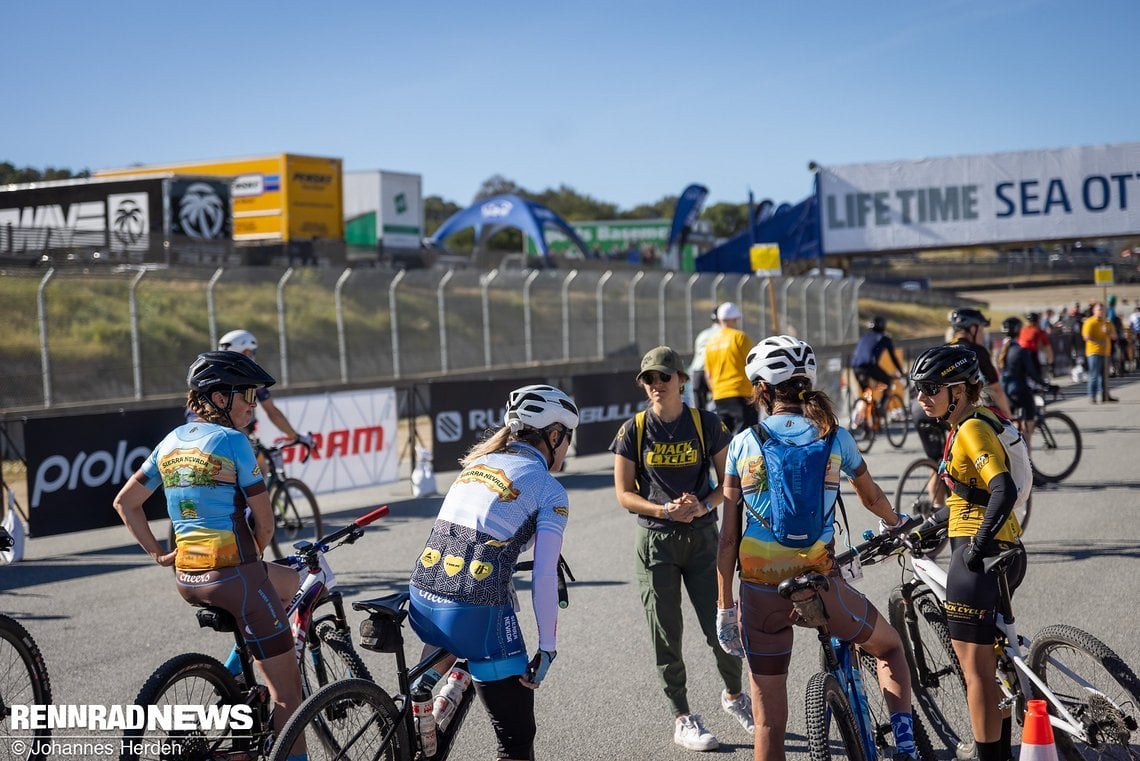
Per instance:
x=880, y=545
x=563, y=572
x=349, y=533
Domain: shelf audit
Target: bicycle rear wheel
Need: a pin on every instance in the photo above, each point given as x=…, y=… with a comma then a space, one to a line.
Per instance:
x=23, y=681
x=937, y=682
x=831, y=728
x=189, y=679
x=1056, y=449
x=912, y=495
x=333, y=660
x=861, y=424
x=880, y=714
x=1095, y=686
x=296, y=513
x=897, y=420
x=352, y=719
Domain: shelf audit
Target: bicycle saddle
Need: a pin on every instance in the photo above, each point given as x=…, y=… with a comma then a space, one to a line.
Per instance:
x=1001, y=561
x=217, y=619
x=390, y=607
x=812, y=580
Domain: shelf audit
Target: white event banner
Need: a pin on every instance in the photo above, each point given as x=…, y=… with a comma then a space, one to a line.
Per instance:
x=1070, y=193
x=356, y=438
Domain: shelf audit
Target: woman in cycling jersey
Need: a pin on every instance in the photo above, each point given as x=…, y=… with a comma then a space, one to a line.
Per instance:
x=503, y=502
x=661, y=474
x=981, y=523
x=782, y=370
x=210, y=479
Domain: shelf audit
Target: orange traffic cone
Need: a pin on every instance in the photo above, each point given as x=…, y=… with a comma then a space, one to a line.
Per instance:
x=1037, y=734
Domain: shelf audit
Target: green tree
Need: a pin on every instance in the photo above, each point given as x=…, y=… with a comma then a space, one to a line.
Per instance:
x=10, y=173
x=727, y=219
x=662, y=209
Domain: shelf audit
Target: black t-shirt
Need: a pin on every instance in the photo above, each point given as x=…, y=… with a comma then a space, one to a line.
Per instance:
x=985, y=364
x=671, y=462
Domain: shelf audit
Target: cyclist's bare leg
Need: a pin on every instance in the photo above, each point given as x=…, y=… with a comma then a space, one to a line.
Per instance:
x=445, y=662
x=283, y=679
x=979, y=662
x=894, y=674
x=770, y=716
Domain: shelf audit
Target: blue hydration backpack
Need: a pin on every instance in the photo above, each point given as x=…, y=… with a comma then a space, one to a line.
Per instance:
x=796, y=485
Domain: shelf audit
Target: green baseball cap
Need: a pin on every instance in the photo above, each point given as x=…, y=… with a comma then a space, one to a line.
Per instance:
x=661, y=359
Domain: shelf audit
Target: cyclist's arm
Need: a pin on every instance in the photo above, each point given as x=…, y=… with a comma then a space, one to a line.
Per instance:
x=277, y=417
x=890, y=349
x=981, y=444
x=263, y=523
x=872, y=496
x=547, y=550
x=728, y=549
x=129, y=505
x=998, y=397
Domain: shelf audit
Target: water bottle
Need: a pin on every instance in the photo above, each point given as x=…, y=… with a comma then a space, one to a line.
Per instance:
x=425, y=721
x=450, y=696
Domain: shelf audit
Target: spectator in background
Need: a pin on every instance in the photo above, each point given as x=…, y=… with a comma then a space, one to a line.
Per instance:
x=698, y=381
x=244, y=342
x=596, y=252
x=1035, y=339
x=969, y=326
x=725, y=355
x=633, y=253
x=1099, y=335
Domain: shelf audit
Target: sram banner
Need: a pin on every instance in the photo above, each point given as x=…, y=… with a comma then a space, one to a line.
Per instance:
x=605, y=401
x=355, y=434
x=1089, y=192
x=76, y=466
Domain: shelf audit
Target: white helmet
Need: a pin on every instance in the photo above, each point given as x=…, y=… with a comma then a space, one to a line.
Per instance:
x=780, y=358
x=538, y=407
x=238, y=340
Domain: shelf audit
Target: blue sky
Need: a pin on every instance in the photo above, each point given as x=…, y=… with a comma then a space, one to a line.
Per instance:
x=624, y=100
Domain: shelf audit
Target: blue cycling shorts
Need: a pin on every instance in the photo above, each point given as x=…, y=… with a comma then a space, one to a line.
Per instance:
x=488, y=636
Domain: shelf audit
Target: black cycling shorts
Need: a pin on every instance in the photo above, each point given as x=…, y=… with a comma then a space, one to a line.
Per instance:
x=1022, y=403
x=863, y=373
x=972, y=598
x=511, y=708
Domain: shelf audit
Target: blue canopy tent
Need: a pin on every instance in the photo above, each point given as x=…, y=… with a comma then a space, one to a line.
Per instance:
x=794, y=228
x=491, y=215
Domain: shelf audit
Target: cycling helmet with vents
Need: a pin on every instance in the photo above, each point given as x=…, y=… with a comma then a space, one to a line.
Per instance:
x=538, y=407
x=1011, y=326
x=780, y=358
x=238, y=340
x=226, y=369
x=960, y=319
x=945, y=365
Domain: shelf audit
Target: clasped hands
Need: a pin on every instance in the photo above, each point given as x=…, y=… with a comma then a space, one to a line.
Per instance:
x=684, y=508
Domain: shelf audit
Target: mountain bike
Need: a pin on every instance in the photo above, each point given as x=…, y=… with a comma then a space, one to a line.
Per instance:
x=23, y=681
x=1093, y=696
x=1055, y=446
x=890, y=414
x=324, y=654
x=12, y=549
x=357, y=719
x=846, y=711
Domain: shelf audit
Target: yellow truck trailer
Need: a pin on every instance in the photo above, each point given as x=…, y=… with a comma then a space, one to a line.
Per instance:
x=278, y=198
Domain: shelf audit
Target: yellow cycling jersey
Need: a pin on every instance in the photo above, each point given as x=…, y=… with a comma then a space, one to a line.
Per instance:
x=976, y=457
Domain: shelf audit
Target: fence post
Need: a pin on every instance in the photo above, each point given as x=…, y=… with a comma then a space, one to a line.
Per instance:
x=443, y=318
x=211, y=312
x=600, y=301
x=661, y=304
x=392, y=314
x=689, y=303
x=484, y=285
x=136, y=358
x=342, y=344
x=784, y=305
x=281, y=326
x=41, y=313
x=853, y=312
x=527, y=338
x=740, y=297
x=823, y=312
x=566, y=314
x=633, y=306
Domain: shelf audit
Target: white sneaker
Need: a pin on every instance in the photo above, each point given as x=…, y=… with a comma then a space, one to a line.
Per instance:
x=740, y=709
x=689, y=732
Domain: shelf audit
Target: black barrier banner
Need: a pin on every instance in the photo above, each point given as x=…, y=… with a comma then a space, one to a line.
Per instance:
x=605, y=401
x=77, y=464
x=463, y=411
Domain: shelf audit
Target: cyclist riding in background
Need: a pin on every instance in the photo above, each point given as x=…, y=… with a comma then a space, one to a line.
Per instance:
x=211, y=480
x=244, y=342
x=868, y=352
x=504, y=501
x=1020, y=377
x=979, y=509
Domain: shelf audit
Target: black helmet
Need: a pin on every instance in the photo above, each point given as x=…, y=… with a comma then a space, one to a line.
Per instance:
x=878, y=324
x=1033, y=317
x=960, y=319
x=945, y=365
x=1011, y=326
x=226, y=368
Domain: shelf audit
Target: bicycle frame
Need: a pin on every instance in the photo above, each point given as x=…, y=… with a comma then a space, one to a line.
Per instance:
x=840, y=658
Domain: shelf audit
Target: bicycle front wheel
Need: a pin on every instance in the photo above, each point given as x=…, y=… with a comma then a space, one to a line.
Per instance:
x=351, y=719
x=23, y=681
x=937, y=681
x=912, y=495
x=190, y=679
x=897, y=421
x=329, y=657
x=296, y=513
x=880, y=714
x=1099, y=689
x=831, y=728
x=1056, y=449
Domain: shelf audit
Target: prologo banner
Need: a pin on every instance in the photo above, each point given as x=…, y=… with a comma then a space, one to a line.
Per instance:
x=1089, y=192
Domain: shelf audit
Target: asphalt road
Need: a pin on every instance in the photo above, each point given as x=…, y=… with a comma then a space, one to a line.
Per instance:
x=105, y=618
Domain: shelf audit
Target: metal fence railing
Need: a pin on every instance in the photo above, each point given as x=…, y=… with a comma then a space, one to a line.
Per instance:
x=128, y=333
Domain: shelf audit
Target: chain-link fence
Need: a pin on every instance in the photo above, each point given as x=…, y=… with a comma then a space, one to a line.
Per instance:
x=101, y=334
